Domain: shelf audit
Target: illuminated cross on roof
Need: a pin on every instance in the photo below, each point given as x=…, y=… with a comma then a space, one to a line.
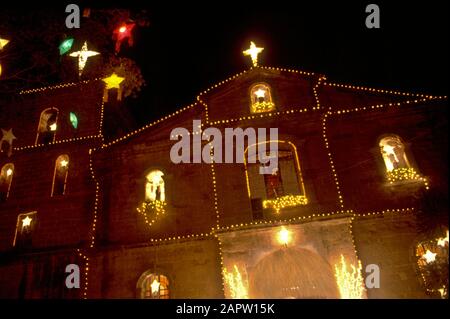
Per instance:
x=253, y=52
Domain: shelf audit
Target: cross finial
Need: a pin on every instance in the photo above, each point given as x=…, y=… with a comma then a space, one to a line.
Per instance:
x=253, y=52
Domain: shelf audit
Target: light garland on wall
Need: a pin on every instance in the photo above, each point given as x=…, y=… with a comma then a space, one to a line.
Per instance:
x=316, y=94
x=405, y=174
x=375, y=90
x=330, y=158
x=86, y=272
x=285, y=201
x=350, y=283
x=148, y=125
x=155, y=207
x=27, y=147
x=97, y=189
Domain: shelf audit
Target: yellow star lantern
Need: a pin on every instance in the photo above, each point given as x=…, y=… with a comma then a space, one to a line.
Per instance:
x=113, y=82
x=26, y=222
x=82, y=56
x=253, y=52
x=3, y=43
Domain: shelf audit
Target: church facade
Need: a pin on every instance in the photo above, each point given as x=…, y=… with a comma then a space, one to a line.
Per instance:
x=359, y=170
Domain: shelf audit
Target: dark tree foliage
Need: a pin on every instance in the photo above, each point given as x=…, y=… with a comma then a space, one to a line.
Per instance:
x=32, y=58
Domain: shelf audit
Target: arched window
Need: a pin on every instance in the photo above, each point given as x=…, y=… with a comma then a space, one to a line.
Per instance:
x=26, y=223
x=154, y=187
x=261, y=98
x=6, y=175
x=47, y=126
x=393, y=151
x=153, y=286
x=60, y=175
x=397, y=165
x=283, y=188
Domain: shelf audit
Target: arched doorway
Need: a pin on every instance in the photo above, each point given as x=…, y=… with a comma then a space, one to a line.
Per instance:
x=293, y=273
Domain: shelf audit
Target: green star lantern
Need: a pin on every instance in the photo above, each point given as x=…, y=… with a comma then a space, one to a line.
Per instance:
x=65, y=46
x=73, y=119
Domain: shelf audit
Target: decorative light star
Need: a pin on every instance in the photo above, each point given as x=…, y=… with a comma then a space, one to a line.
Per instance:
x=113, y=82
x=7, y=137
x=123, y=32
x=253, y=52
x=26, y=222
x=3, y=43
x=155, y=286
x=260, y=93
x=53, y=127
x=443, y=241
x=429, y=256
x=82, y=56
x=9, y=172
x=64, y=163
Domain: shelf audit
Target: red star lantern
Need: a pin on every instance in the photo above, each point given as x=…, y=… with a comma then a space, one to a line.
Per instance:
x=123, y=32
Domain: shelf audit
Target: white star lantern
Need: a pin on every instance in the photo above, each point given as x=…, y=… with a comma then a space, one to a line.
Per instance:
x=82, y=56
x=429, y=256
x=260, y=93
x=26, y=222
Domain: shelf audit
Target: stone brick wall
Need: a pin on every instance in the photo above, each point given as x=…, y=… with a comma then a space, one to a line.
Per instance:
x=192, y=267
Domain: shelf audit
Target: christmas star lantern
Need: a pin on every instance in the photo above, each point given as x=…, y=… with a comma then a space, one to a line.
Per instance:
x=8, y=137
x=65, y=46
x=122, y=33
x=82, y=56
x=113, y=82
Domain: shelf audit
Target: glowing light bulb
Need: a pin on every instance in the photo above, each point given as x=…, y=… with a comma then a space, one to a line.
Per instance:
x=9, y=172
x=53, y=127
x=284, y=236
x=123, y=29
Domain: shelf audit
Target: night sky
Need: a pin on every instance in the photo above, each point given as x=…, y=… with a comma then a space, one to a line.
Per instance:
x=190, y=46
x=187, y=50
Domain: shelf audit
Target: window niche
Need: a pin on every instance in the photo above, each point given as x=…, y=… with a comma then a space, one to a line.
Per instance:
x=26, y=224
x=261, y=98
x=47, y=126
x=154, y=204
x=396, y=162
x=153, y=286
x=6, y=176
x=283, y=188
x=60, y=175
